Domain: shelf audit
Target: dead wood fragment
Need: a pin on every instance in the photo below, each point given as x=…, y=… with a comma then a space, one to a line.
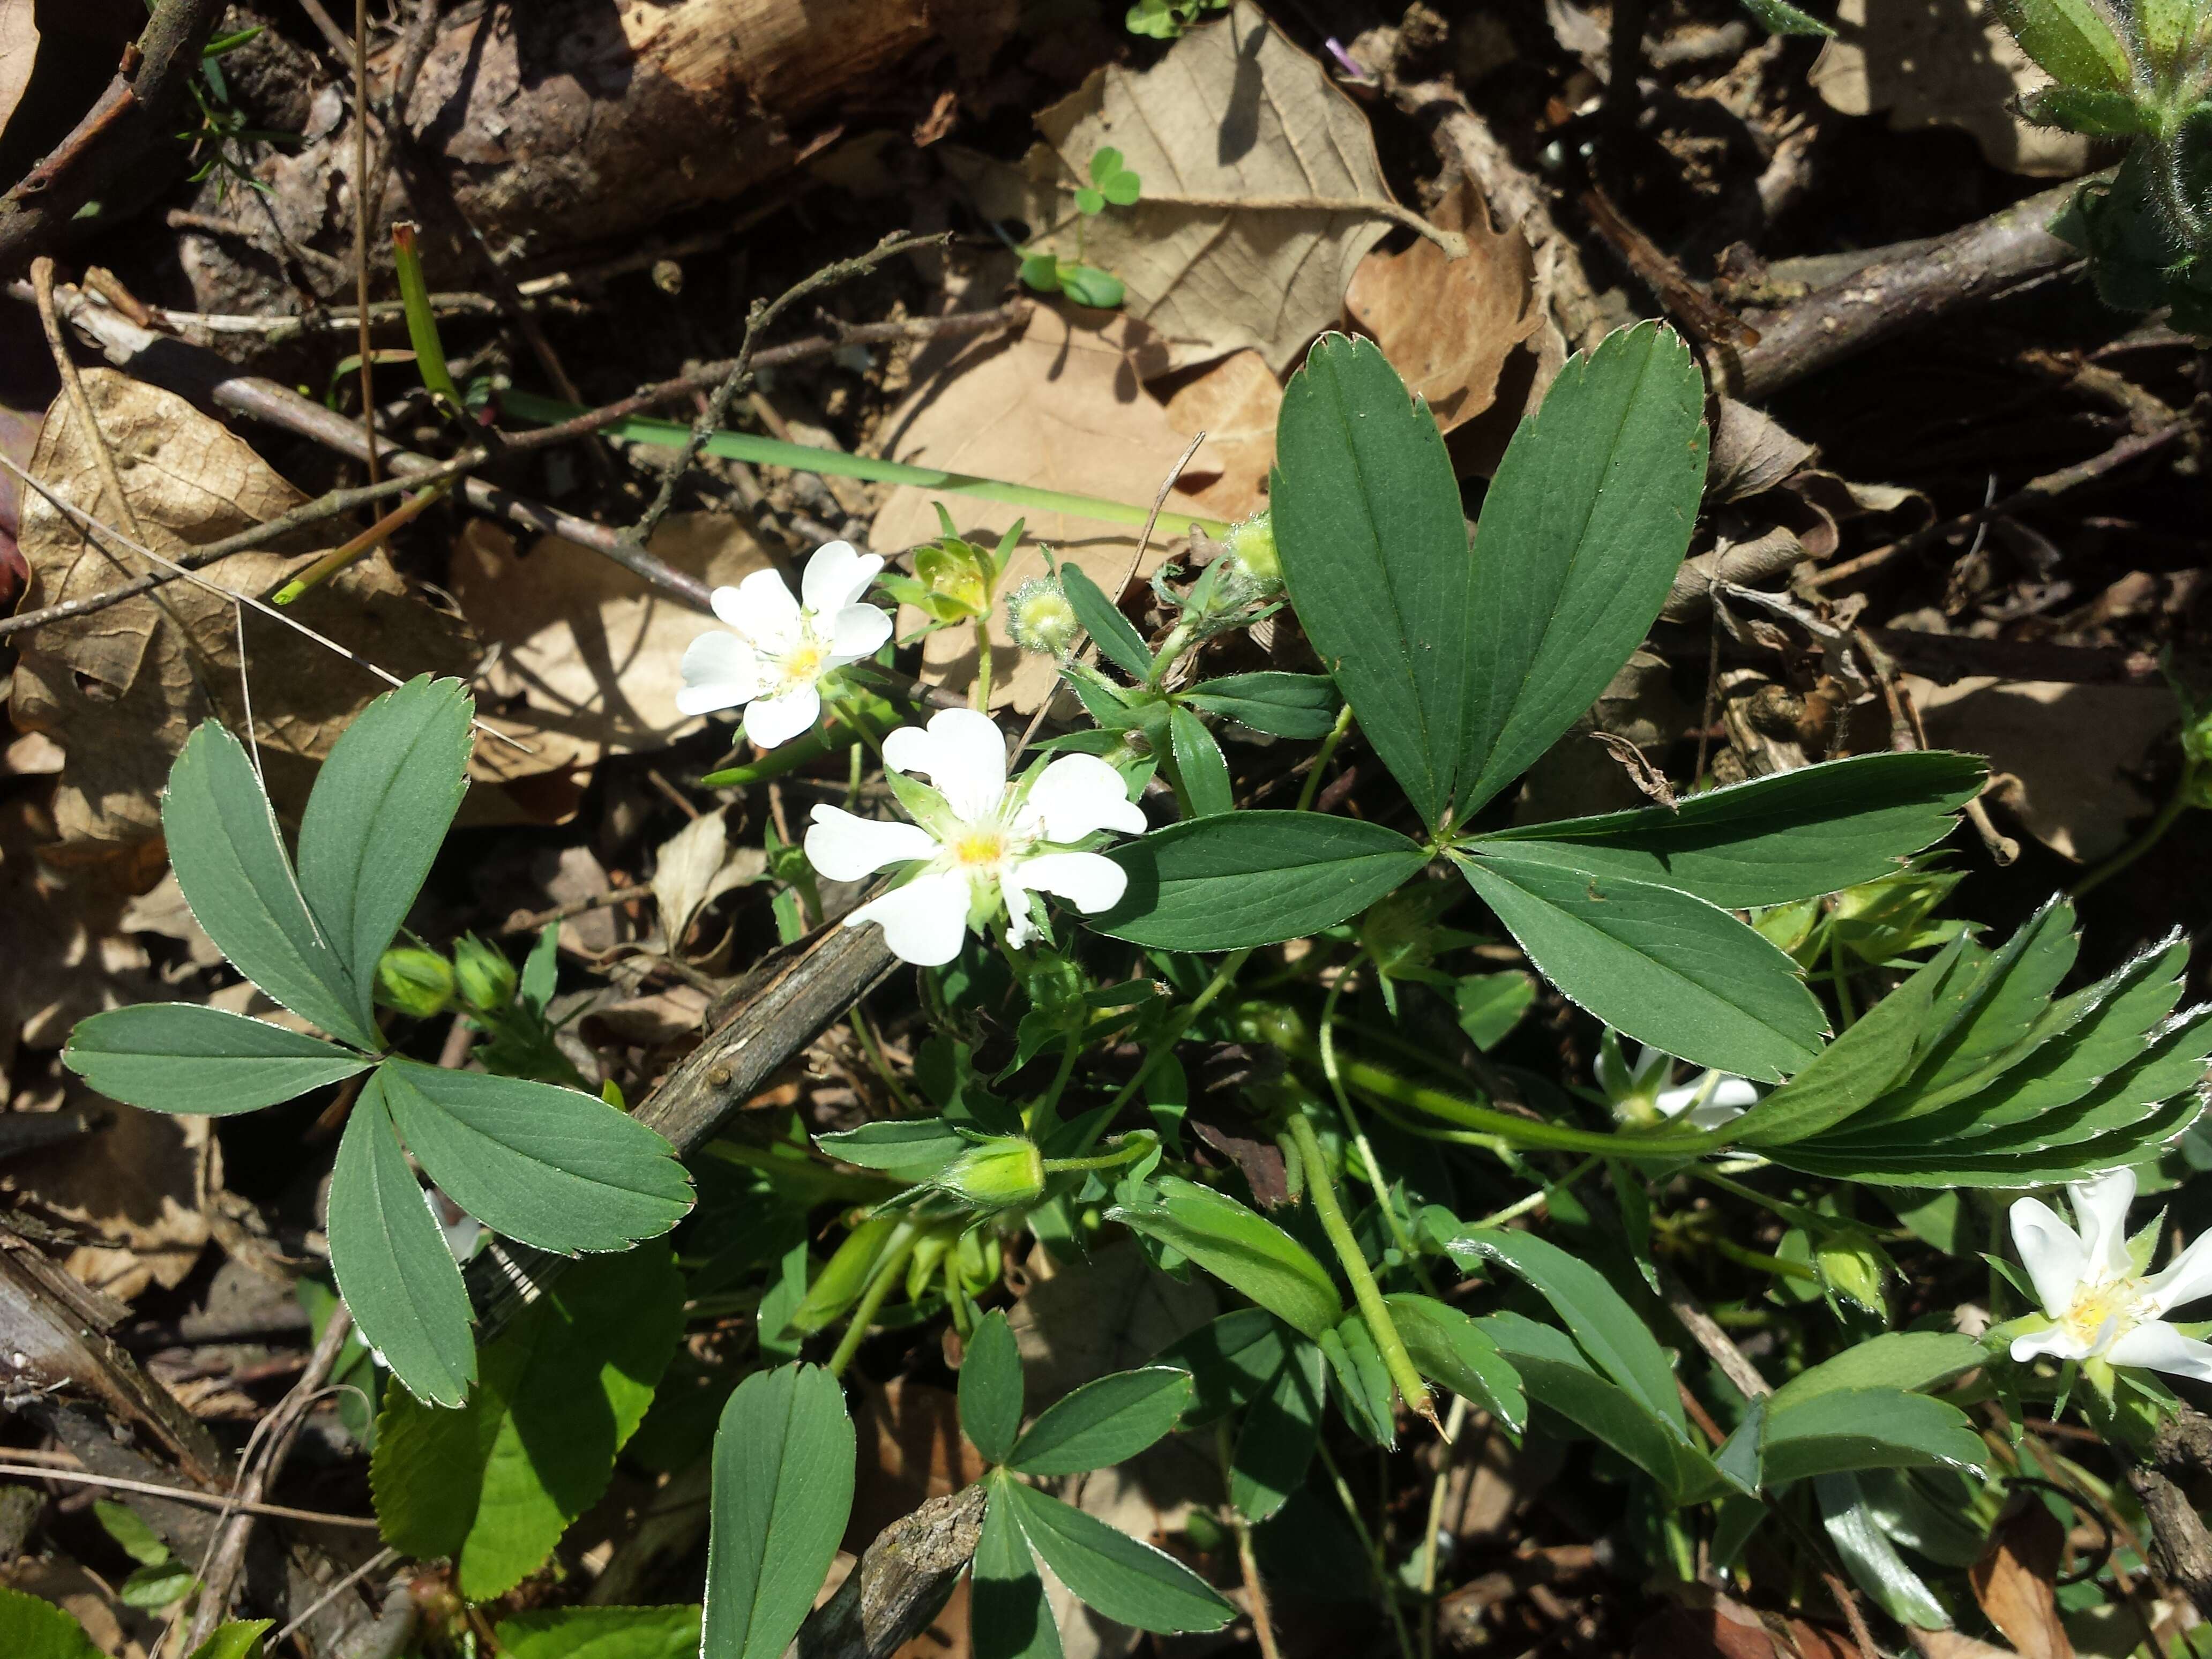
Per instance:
x=899, y=1583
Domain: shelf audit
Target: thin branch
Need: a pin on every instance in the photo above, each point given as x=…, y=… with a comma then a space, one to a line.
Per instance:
x=213, y=1500
x=361, y=211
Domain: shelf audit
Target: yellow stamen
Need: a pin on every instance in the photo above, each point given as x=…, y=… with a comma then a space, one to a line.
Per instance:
x=979, y=848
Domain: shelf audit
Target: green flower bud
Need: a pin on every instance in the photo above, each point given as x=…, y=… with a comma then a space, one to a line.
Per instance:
x=487, y=978
x=1040, y=619
x=1000, y=1172
x=414, y=981
x=1852, y=1267
x=1252, y=545
x=1274, y=1023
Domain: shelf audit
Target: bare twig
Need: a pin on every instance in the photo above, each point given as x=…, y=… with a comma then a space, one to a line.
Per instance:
x=898, y=1586
x=214, y=1500
x=225, y=1556
x=362, y=190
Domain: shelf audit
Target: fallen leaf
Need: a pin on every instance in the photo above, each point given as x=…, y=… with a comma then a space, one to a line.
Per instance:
x=588, y=655
x=1107, y=1313
x=1063, y=406
x=1448, y=326
x=139, y=1184
x=2015, y=1578
x=19, y=50
x=1235, y=402
x=1235, y=113
x=1943, y=62
x=911, y=1450
x=119, y=690
x=694, y=867
x=1752, y=452
x=2073, y=751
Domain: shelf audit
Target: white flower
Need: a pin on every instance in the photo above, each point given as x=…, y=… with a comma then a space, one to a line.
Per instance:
x=778, y=650
x=981, y=842
x=2100, y=1305
x=1704, y=1102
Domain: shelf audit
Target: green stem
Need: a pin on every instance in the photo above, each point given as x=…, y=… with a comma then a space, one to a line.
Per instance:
x=1128, y=1151
x=836, y=464
x=1453, y=1425
x=1328, y=1066
x=1521, y=1206
x=983, y=663
x=889, y=1266
x=1320, y=1190
x=1374, y=1561
x=2176, y=805
x=1323, y=755
x=1042, y=1112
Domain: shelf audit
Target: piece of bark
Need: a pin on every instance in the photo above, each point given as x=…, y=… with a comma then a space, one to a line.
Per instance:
x=900, y=1582
x=559, y=123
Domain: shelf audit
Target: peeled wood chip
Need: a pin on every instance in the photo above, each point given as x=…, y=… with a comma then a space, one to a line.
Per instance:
x=1234, y=110
x=1062, y=407
x=119, y=690
x=1448, y=326
x=1947, y=64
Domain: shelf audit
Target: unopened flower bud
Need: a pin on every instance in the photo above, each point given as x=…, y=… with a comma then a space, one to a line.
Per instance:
x=1040, y=619
x=1252, y=545
x=487, y=978
x=1000, y=1172
x=415, y=981
x=1852, y=1268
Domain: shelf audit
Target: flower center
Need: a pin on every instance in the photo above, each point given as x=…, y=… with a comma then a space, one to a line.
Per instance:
x=803, y=665
x=979, y=848
x=2103, y=1313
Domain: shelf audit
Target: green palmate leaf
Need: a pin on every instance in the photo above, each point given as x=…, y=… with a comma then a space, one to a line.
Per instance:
x=602, y=1633
x=991, y=1388
x=391, y=1260
x=783, y=1490
x=1373, y=539
x=32, y=1629
x=231, y=865
x=1007, y=1615
x=180, y=1057
x=1275, y=1443
x=558, y=1394
x=1281, y=705
x=1117, y=639
x=1560, y=1379
x=1123, y=1579
x=1605, y=1327
x=1845, y=1429
x=1199, y=761
x=1449, y=1348
x=1232, y=1361
x=1242, y=1249
x=240, y=1639
x=1664, y=968
x=1582, y=533
x=1250, y=879
x=1850, y=1074
x=378, y=814
x=1106, y=1420
x=1895, y=1359
x=552, y=1167
x=1788, y=837
x=2000, y=1009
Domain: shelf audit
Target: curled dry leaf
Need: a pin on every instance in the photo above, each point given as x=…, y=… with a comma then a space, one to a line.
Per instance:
x=1062, y=405
x=2014, y=1580
x=1234, y=111
x=696, y=867
x=587, y=655
x=120, y=689
x=1752, y=452
x=1943, y=62
x=1448, y=326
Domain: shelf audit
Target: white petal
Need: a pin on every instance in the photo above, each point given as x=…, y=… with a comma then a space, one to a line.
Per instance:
x=1712, y=1115
x=720, y=671
x=923, y=921
x=760, y=608
x=2057, y=1342
x=1737, y=1092
x=2159, y=1347
x=2051, y=1251
x=1079, y=794
x=964, y=755
x=1089, y=881
x=845, y=847
x=2100, y=1207
x=778, y=720
x=858, y=631
x=2183, y=1281
x=836, y=576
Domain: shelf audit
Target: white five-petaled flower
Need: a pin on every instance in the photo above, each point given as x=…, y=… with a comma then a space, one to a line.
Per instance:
x=778, y=649
x=2101, y=1305
x=980, y=841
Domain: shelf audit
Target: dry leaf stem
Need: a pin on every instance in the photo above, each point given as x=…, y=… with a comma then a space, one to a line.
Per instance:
x=360, y=210
x=1453, y=243
x=214, y=1500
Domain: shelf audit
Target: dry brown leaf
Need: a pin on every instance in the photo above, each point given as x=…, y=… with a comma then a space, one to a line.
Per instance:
x=588, y=655
x=139, y=1184
x=1107, y=1313
x=1943, y=62
x=2015, y=1578
x=694, y=867
x=1062, y=406
x=19, y=50
x=120, y=690
x=1752, y=452
x=1448, y=326
x=1235, y=402
x=1233, y=110
x=911, y=1450
x=2073, y=750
